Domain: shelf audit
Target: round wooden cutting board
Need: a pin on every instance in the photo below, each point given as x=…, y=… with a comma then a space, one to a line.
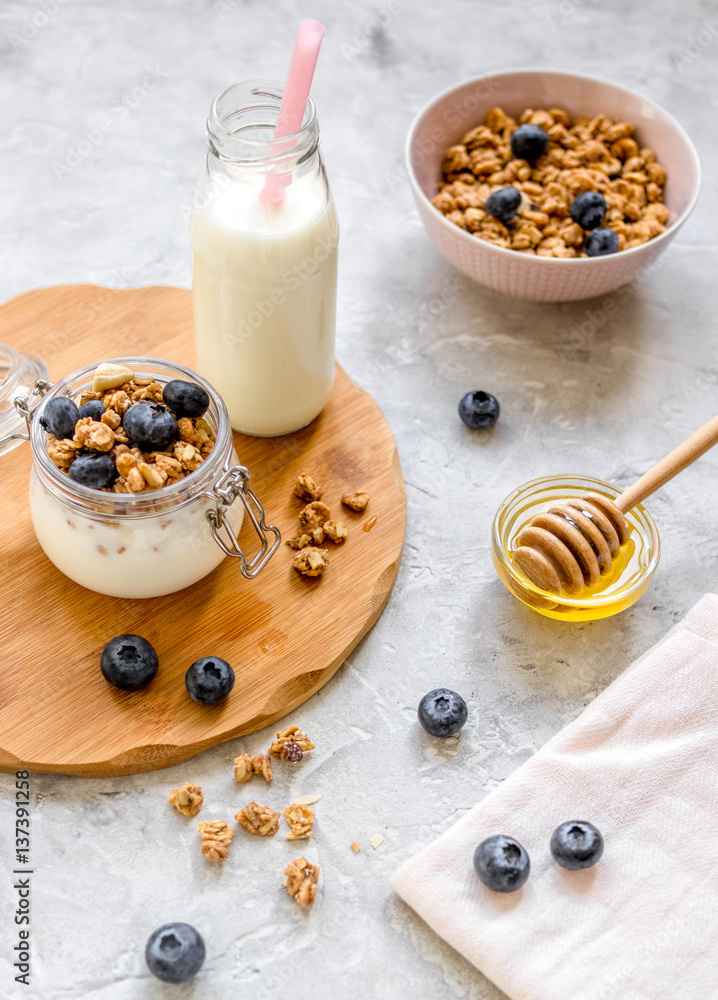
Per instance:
x=284, y=634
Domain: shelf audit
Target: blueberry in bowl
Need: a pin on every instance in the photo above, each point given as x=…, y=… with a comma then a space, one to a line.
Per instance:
x=601, y=241
x=209, y=680
x=576, y=845
x=175, y=953
x=501, y=863
x=504, y=203
x=529, y=142
x=588, y=209
x=129, y=662
x=442, y=712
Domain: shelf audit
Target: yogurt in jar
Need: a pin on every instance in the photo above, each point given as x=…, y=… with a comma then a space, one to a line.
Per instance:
x=264, y=283
x=142, y=556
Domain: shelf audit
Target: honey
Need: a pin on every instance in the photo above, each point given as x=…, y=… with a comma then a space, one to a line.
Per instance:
x=615, y=591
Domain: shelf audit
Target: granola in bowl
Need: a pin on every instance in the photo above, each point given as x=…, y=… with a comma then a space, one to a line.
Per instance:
x=581, y=155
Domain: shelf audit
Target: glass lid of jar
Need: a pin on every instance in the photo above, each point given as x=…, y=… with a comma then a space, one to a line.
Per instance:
x=18, y=373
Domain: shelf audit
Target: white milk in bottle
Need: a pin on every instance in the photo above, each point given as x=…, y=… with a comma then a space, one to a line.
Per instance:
x=264, y=273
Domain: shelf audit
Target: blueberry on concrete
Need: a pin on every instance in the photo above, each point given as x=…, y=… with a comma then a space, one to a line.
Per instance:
x=576, y=845
x=92, y=408
x=504, y=203
x=93, y=468
x=479, y=410
x=59, y=417
x=601, y=241
x=209, y=680
x=129, y=662
x=175, y=953
x=150, y=426
x=588, y=209
x=529, y=142
x=185, y=399
x=501, y=863
x=442, y=712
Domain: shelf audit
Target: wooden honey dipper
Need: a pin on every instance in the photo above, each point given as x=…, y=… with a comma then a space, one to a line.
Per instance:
x=575, y=542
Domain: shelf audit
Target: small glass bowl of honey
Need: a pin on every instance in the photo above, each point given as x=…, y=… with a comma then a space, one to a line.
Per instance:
x=631, y=570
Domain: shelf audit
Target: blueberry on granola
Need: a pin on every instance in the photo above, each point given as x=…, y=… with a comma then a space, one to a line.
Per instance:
x=175, y=953
x=59, y=417
x=479, y=410
x=442, y=712
x=501, y=863
x=93, y=408
x=576, y=845
x=185, y=399
x=209, y=680
x=504, y=203
x=94, y=469
x=601, y=241
x=150, y=426
x=588, y=209
x=529, y=142
x=129, y=662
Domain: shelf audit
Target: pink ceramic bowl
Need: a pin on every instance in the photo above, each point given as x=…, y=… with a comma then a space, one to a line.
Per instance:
x=546, y=279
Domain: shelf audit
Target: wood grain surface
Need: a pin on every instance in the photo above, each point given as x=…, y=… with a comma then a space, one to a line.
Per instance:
x=284, y=634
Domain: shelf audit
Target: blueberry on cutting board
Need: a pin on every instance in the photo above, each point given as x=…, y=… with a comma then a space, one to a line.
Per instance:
x=129, y=662
x=209, y=680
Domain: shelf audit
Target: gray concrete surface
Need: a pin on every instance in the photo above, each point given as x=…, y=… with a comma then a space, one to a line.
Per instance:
x=111, y=860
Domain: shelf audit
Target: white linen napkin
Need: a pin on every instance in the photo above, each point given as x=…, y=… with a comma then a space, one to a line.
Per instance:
x=641, y=763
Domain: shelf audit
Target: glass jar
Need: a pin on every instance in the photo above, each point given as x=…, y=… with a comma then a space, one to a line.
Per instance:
x=632, y=568
x=154, y=542
x=18, y=374
x=264, y=269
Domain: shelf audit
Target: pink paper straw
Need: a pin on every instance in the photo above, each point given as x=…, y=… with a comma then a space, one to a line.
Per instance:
x=294, y=100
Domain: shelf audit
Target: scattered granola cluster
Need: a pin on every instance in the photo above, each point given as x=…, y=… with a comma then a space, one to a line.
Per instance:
x=188, y=799
x=301, y=878
x=132, y=464
x=291, y=744
x=246, y=766
x=216, y=835
x=594, y=154
x=216, y=838
x=317, y=526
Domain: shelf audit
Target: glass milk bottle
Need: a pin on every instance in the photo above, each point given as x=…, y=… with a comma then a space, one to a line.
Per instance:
x=264, y=269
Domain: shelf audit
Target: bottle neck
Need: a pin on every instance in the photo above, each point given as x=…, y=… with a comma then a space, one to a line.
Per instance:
x=240, y=130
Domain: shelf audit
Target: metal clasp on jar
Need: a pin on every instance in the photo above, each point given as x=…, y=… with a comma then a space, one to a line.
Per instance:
x=233, y=486
x=24, y=406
